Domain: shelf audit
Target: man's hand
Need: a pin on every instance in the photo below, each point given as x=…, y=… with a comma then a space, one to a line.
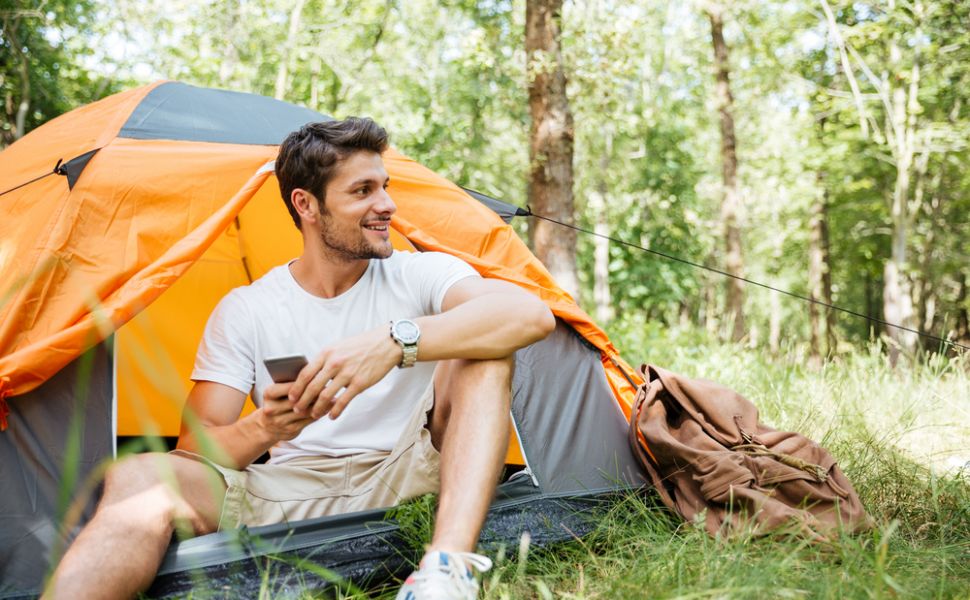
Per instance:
x=276, y=417
x=351, y=365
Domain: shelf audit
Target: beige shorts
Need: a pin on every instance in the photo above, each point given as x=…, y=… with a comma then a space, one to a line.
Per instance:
x=317, y=486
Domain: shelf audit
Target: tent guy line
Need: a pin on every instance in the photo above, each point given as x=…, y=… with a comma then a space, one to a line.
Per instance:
x=57, y=170
x=751, y=281
x=35, y=179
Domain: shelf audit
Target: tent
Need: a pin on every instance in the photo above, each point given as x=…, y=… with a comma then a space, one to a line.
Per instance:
x=126, y=220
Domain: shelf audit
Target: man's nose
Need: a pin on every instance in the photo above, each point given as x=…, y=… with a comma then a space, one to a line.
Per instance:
x=385, y=204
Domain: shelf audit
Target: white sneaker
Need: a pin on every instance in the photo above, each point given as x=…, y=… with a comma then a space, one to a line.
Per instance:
x=445, y=576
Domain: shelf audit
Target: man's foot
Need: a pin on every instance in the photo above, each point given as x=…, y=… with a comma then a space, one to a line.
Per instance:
x=445, y=576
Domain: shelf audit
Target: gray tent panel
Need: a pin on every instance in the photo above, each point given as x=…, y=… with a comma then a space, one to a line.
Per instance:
x=572, y=431
x=34, y=452
x=176, y=111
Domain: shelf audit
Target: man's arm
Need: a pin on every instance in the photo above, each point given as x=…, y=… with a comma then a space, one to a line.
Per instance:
x=480, y=319
x=211, y=425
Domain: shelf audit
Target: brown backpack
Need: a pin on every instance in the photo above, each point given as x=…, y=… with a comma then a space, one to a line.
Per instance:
x=712, y=461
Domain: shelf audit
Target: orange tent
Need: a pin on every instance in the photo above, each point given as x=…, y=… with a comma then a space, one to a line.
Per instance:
x=128, y=219
x=109, y=206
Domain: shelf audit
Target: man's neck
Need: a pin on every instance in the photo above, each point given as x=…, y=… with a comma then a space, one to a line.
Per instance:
x=326, y=277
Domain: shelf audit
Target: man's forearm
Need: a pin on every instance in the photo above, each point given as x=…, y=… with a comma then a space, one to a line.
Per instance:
x=235, y=446
x=481, y=328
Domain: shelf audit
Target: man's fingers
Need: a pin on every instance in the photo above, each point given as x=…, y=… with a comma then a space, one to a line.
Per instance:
x=306, y=376
x=275, y=398
x=328, y=394
x=343, y=400
x=276, y=391
x=313, y=389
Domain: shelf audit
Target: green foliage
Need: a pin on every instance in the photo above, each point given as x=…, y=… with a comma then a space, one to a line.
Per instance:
x=44, y=68
x=448, y=80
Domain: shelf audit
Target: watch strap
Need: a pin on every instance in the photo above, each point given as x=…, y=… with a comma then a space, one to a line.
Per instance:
x=410, y=355
x=409, y=350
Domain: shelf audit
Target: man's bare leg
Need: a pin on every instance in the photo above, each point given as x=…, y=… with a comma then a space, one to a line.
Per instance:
x=470, y=427
x=119, y=551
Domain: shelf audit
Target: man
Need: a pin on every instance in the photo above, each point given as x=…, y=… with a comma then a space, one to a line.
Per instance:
x=410, y=355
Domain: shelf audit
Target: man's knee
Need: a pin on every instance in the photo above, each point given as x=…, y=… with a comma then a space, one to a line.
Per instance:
x=157, y=489
x=485, y=383
x=497, y=370
x=133, y=474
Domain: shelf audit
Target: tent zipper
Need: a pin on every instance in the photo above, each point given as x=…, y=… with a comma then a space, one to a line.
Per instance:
x=528, y=469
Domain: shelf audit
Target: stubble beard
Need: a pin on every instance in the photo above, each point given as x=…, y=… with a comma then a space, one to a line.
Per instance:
x=340, y=249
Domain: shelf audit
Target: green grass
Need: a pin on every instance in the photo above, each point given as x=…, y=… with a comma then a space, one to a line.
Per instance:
x=901, y=435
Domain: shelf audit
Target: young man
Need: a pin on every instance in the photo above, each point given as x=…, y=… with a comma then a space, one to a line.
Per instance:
x=407, y=389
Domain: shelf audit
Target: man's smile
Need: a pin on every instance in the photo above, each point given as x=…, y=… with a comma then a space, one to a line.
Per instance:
x=378, y=226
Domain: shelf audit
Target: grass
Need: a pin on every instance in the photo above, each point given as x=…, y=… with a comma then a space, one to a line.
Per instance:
x=901, y=435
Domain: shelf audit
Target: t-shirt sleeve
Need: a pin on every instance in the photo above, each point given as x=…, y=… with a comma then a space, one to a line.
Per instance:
x=226, y=352
x=434, y=273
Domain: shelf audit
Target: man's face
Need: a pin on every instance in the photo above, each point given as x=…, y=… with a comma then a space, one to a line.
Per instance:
x=356, y=212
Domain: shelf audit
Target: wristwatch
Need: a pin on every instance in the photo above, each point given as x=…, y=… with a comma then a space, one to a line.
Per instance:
x=406, y=333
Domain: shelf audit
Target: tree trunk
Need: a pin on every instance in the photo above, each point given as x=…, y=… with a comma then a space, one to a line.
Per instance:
x=871, y=309
x=601, y=245
x=286, y=56
x=961, y=332
x=17, y=116
x=731, y=204
x=230, y=30
x=710, y=315
x=831, y=343
x=897, y=293
x=819, y=276
x=775, y=318
x=550, y=190
x=926, y=295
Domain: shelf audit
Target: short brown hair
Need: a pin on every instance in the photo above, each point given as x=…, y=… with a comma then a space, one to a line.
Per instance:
x=308, y=157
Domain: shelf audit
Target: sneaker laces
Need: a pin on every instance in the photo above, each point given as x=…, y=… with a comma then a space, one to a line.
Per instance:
x=447, y=576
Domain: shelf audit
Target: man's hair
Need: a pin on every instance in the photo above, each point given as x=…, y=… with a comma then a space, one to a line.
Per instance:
x=309, y=156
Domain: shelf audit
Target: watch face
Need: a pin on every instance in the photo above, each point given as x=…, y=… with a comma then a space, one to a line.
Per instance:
x=406, y=331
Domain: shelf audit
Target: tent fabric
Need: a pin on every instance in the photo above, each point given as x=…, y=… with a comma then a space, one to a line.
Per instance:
x=72, y=169
x=177, y=111
x=101, y=262
x=579, y=407
x=57, y=440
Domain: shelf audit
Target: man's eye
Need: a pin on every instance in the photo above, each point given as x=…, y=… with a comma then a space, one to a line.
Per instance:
x=362, y=191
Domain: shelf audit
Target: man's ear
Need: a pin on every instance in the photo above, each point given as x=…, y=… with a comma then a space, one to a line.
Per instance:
x=306, y=205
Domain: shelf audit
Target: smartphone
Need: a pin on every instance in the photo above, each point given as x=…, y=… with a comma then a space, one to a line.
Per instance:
x=285, y=368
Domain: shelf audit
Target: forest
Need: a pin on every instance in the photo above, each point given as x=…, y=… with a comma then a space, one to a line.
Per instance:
x=813, y=146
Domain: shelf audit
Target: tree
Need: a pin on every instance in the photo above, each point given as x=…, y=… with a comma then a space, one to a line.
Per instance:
x=913, y=119
x=731, y=205
x=551, y=144
x=42, y=50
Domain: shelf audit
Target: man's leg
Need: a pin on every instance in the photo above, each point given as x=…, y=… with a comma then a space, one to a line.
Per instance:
x=470, y=428
x=118, y=552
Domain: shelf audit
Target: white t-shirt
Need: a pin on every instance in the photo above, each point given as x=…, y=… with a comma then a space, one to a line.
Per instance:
x=275, y=317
